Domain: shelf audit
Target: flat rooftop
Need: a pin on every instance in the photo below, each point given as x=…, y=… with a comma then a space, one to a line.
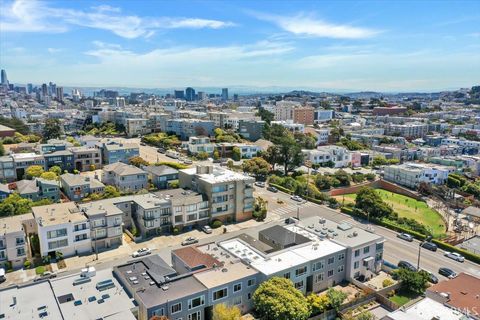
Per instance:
x=426, y=309
x=341, y=233
x=58, y=213
x=29, y=302
x=472, y=244
x=218, y=175
x=13, y=223
x=103, y=306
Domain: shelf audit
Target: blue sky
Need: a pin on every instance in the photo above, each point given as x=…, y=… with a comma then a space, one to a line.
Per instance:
x=334, y=45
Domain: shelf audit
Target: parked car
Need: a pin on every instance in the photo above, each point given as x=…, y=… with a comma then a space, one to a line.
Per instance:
x=272, y=189
x=260, y=184
x=432, y=278
x=406, y=265
x=296, y=198
x=45, y=275
x=429, y=246
x=141, y=252
x=2, y=275
x=207, y=229
x=189, y=241
x=187, y=161
x=143, y=144
x=161, y=150
x=405, y=236
x=455, y=256
x=446, y=272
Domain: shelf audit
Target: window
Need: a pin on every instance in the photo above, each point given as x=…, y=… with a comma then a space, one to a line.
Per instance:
x=158, y=312
x=237, y=287
x=52, y=245
x=57, y=233
x=176, y=308
x=287, y=275
x=318, y=265
x=330, y=273
x=20, y=251
x=341, y=256
x=299, y=285
x=301, y=271
x=19, y=241
x=194, y=316
x=196, y=302
x=318, y=277
x=178, y=219
x=249, y=296
x=178, y=209
x=357, y=252
x=220, y=294
x=331, y=260
x=366, y=250
x=340, y=268
x=191, y=217
x=237, y=300
x=379, y=246
x=251, y=282
x=356, y=265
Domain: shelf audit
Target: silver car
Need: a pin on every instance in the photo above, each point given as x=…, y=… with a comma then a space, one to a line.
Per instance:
x=141, y=252
x=455, y=256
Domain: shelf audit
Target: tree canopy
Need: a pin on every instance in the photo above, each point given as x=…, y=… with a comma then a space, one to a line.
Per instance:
x=34, y=171
x=14, y=204
x=257, y=166
x=138, y=161
x=277, y=298
x=52, y=129
x=413, y=281
x=222, y=311
x=371, y=203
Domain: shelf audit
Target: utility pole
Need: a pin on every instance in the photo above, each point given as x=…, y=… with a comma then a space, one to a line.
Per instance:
x=420, y=248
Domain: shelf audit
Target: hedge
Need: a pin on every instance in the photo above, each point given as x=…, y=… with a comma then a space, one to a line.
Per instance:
x=279, y=187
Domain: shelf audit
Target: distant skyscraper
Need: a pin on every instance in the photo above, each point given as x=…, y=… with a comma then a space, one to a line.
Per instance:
x=201, y=95
x=179, y=94
x=29, y=88
x=235, y=97
x=4, y=78
x=190, y=94
x=44, y=90
x=225, y=94
x=52, y=89
x=120, y=102
x=59, y=93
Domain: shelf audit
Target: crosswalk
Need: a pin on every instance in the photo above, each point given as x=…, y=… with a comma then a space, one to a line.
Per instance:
x=291, y=208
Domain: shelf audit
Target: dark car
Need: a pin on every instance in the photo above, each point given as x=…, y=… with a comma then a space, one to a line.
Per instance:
x=429, y=246
x=272, y=189
x=446, y=272
x=161, y=150
x=406, y=265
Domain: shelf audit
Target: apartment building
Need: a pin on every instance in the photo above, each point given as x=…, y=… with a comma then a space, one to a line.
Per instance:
x=200, y=144
x=38, y=189
x=408, y=130
x=185, y=128
x=339, y=156
x=137, y=126
x=412, y=174
x=86, y=158
x=113, y=152
x=24, y=160
x=230, y=194
x=467, y=146
x=13, y=244
x=62, y=227
x=161, y=176
x=290, y=125
x=322, y=115
x=304, y=115
x=251, y=130
x=76, y=187
x=283, y=110
x=231, y=119
x=151, y=214
x=62, y=159
x=125, y=177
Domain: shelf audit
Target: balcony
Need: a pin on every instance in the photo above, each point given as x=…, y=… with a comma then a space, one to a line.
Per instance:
x=148, y=218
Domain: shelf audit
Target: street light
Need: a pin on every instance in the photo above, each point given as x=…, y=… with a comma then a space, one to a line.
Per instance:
x=419, y=249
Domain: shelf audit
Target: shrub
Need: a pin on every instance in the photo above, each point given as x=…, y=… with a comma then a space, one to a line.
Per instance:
x=175, y=231
x=216, y=224
x=27, y=264
x=134, y=231
x=387, y=283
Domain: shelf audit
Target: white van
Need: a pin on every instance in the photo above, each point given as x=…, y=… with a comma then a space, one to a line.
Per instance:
x=172, y=154
x=2, y=275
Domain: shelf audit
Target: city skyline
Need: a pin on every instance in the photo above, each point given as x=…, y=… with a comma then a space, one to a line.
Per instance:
x=389, y=47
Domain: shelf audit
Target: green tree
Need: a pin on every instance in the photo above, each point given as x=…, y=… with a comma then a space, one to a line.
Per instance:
x=343, y=177
x=260, y=209
x=52, y=129
x=265, y=115
x=2, y=149
x=222, y=311
x=34, y=171
x=14, y=204
x=202, y=155
x=323, y=182
x=286, y=152
x=56, y=169
x=16, y=124
x=257, y=166
x=216, y=155
x=371, y=203
x=413, y=281
x=336, y=298
x=236, y=154
x=111, y=192
x=277, y=298
x=379, y=161
x=318, y=303
x=49, y=175
x=138, y=161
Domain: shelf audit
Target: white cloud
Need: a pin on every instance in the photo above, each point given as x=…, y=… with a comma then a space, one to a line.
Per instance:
x=306, y=25
x=54, y=50
x=37, y=16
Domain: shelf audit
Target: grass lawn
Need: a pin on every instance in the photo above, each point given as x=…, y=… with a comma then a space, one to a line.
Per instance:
x=406, y=207
x=40, y=269
x=402, y=297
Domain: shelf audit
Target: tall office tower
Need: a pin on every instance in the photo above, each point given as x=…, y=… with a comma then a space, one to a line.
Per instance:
x=190, y=94
x=201, y=95
x=44, y=90
x=4, y=78
x=179, y=94
x=120, y=102
x=59, y=93
x=29, y=88
x=225, y=94
x=235, y=97
x=52, y=87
